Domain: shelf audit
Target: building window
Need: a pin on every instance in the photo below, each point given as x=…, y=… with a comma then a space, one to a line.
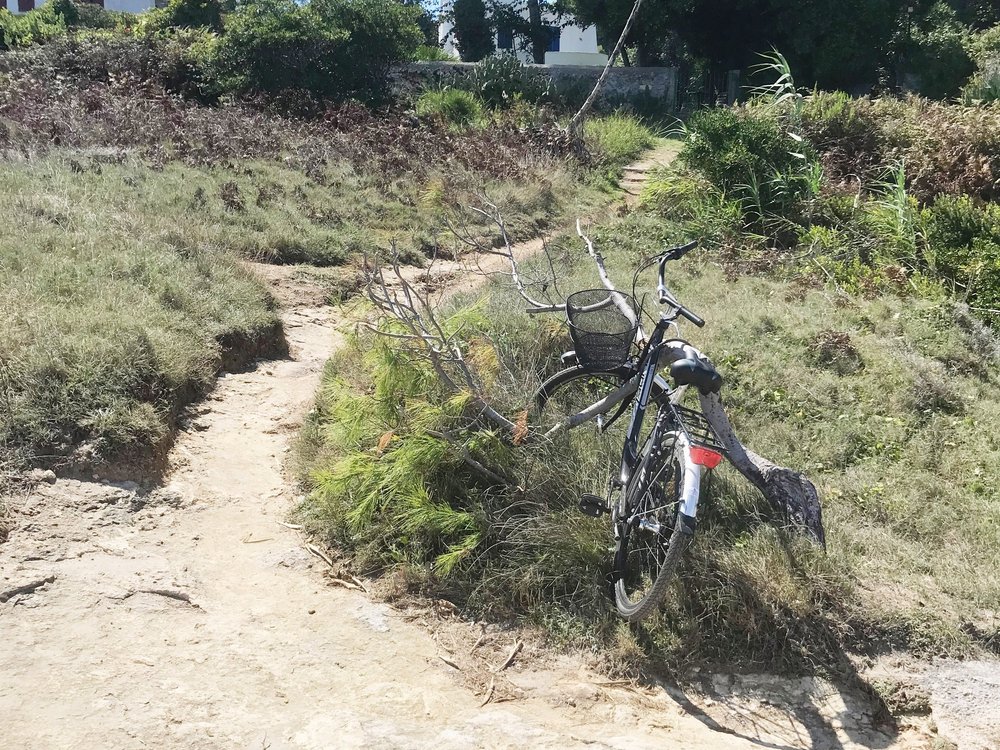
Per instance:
x=505, y=38
x=553, y=39
x=23, y=6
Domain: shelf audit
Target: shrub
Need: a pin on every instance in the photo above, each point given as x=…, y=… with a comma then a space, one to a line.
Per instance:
x=432, y=53
x=184, y=14
x=32, y=27
x=453, y=106
x=984, y=86
x=749, y=157
x=500, y=80
x=940, y=56
x=963, y=248
x=182, y=61
x=337, y=49
x=843, y=131
x=473, y=30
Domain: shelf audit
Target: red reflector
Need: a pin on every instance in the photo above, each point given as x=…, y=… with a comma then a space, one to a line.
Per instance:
x=705, y=457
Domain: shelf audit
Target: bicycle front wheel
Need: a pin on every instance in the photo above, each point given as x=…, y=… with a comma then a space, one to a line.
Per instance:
x=650, y=539
x=586, y=458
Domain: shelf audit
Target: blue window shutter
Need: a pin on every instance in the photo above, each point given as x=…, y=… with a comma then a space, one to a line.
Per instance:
x=554, y=33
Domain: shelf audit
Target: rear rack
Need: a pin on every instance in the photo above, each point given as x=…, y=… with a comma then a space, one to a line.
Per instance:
x=697, y=428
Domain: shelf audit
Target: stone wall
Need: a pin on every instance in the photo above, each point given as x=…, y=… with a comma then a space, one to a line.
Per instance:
x=576, y=81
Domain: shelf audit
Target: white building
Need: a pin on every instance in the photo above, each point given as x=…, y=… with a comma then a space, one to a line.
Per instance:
x=568, y=45
x=125, y=6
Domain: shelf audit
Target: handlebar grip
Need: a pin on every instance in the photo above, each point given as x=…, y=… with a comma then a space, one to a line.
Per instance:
x=680, y=252
x=693, y=317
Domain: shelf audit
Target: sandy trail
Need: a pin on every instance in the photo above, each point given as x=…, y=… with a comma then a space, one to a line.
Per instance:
x=187, y=616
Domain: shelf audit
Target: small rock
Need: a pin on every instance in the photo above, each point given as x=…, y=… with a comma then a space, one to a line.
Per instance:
x=43, y=475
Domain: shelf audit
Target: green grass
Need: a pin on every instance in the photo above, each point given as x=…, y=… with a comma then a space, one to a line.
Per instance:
x=124, y=291
x=618, y=140
x=885, y=402
x=111, y=323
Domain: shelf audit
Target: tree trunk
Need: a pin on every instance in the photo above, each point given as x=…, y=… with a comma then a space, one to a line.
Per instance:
x=790, y=494
x=576, y=124
x=539, y=34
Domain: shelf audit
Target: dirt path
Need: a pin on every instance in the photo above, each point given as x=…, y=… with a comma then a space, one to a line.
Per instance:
x=187, y=616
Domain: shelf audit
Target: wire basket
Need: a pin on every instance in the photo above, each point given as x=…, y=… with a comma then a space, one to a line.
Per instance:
x=602, y=333
x=697, y=428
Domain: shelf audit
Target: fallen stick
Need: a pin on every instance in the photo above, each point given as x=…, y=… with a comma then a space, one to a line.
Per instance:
x=510, y=659
x=292, y=526
x=179, y=596
x=26, y=588
x=450, y=663
x=345, y=584
x=248, y=539
x=478, y=643
x=489, y=693
x=320, y=554
x=360, y=584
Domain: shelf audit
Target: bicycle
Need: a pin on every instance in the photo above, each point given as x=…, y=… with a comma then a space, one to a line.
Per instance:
x=652, y=493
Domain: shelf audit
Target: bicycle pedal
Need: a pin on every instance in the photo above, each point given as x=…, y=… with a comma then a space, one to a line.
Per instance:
x=593, y=506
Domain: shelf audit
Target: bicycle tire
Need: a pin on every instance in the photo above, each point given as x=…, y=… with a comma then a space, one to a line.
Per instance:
x=668, y=548
x=590, y=456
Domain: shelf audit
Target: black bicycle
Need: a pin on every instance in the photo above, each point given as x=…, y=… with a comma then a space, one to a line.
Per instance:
x=651, y=494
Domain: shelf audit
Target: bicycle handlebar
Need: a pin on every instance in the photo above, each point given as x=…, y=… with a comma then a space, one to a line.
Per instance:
x=665, y=297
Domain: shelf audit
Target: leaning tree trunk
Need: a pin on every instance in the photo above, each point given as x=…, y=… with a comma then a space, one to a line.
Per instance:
x=790, y=494
x=577, y=122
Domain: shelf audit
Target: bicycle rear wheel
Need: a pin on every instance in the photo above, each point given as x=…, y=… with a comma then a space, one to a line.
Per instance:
x=650, y=541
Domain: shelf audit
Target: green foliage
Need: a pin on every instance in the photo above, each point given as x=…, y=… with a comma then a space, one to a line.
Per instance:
x=432, y=53
x=337, y=49
x=751, y=159
x=397, y=490
x=615, y=141
x=963, y=248
x=33, y=27
x=473, y=30
x=694, y=204
x=501, y=80
x=184, y=14
x=940, y=56
x=453, y=106
x=110, y=325
x=834, y=121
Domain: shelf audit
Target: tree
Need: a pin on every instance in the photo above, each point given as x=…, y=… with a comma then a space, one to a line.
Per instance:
x=337, y=49
x=474, y=31
x=649, y=35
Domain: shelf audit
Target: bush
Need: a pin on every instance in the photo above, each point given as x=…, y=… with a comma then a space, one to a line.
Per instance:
x=184, y=14
x=963, y=248
x=748, y=156
x=940, y=56
x=33, y=27
x=432, y=53
x=835, y=124
x=336, y=49
x=501, y=80
x=453, y=106
x=181, y=61
x=473, y=30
